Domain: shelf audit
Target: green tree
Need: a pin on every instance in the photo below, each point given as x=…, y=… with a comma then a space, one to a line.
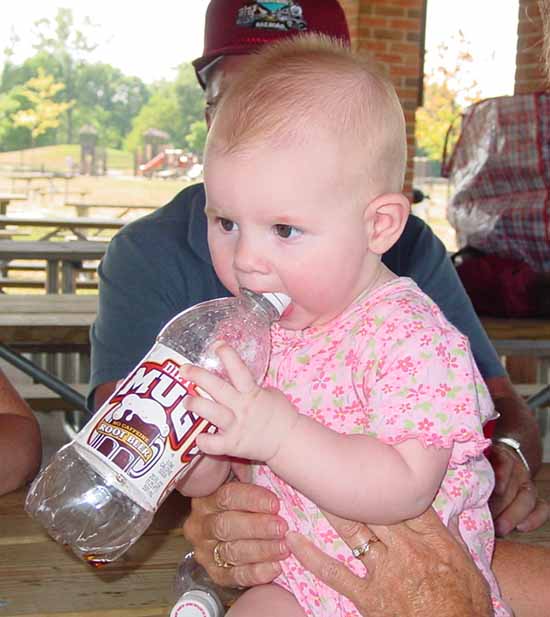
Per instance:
x=109, y=100
x=160, y=112
x=11, y=137
x=68, y=45
x=44, y=112
x=448, y=88
x=196, y=138
x=190, y=99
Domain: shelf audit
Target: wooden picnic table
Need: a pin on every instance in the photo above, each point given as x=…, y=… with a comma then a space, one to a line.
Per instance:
x=73, y=224
x=51, y=322
x=61, y=257
x=7, y=198
x=526, y=345
x=83, y=209
x=40, y=578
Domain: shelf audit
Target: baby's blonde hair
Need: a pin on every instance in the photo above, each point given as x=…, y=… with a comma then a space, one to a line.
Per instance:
x=312, y=81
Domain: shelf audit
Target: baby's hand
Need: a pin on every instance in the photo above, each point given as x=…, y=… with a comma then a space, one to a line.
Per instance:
x=252, y=422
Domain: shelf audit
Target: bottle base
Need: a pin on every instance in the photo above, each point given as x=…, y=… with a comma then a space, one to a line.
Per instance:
x=80, y=509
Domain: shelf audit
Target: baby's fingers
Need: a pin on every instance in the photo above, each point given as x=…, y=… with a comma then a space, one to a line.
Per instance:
x=215, y=386
x=216, y=414
x=215, y=444
x=236, y=369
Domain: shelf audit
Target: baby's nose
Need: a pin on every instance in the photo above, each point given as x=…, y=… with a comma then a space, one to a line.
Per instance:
x=249, y=257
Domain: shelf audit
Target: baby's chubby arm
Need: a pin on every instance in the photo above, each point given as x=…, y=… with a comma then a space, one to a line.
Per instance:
x=354, y=476
x=207, y=475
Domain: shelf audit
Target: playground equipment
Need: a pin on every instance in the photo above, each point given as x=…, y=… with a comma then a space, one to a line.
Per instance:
x=93, y=160
x=168, y=163
x=158, y=158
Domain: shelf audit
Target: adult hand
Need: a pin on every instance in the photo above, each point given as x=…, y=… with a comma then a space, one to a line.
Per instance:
x=417, y=569
x=243, y=519
x=514, y=503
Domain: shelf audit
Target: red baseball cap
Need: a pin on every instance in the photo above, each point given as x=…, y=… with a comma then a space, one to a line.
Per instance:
x=235, y=27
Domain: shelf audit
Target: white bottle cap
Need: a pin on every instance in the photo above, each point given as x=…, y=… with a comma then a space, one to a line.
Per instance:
x=279, y=301
x=196, y=603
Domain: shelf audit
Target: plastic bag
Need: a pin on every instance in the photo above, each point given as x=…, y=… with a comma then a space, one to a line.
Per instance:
x=500, y=177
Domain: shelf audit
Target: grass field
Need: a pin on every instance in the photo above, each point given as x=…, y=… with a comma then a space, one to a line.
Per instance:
x=120, y=186
x=54, y=158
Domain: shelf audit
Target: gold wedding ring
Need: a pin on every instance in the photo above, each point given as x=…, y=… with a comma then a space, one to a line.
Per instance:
x=218, y=560
x=363, y=549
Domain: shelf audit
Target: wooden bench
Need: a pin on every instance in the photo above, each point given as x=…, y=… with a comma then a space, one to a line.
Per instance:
x=15, y=283
x=41, y=398
x=63, y=258
x=38, y=266
x=11, y=283
x=79, y=226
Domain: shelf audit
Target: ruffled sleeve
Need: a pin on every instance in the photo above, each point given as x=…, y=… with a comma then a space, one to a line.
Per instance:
x=426, y=386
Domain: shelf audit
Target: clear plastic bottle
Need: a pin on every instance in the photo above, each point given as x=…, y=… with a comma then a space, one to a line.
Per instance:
x=198, y=595
x=100, y=492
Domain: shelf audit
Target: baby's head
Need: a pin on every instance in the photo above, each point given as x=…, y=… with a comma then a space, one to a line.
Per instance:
x=311, y=87
x=304, y=165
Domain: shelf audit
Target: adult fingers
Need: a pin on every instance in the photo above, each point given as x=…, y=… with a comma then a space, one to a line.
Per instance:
x=255, y=574
x=513, y=508
x=236, y=510
x=240, y=575
x=246, y=497
x=234, y=525
x=537, y=517
x=357, y=534
x=335, y=574
x=510, y=472
x=248, y=552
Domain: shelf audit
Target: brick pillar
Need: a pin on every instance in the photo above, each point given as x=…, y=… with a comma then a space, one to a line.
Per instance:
x=530, y=75
x=391, y=31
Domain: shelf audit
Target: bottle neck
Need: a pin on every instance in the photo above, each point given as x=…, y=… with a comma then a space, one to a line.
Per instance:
x=259, y=305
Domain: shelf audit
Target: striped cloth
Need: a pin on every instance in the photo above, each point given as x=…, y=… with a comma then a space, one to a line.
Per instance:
x=500, y=176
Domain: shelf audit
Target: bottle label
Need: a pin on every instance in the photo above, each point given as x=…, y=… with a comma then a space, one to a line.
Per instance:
x=143, y=438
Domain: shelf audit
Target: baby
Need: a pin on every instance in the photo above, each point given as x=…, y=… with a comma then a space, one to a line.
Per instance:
x=372, y=407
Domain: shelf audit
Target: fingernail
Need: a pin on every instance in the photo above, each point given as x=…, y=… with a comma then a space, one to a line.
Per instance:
x=284, y=549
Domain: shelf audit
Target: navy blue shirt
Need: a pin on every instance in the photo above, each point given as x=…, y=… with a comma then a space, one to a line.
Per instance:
x=160, y=264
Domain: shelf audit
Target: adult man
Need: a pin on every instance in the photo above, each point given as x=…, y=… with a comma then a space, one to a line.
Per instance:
x=160, y=264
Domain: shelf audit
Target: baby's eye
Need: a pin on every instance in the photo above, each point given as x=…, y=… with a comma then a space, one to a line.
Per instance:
x=286, y=231
x=227, y=224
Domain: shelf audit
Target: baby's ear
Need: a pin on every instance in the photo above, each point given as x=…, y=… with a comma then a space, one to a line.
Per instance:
x=385, y=218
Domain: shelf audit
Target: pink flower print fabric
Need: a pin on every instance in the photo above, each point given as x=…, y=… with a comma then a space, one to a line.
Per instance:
x=392, y=367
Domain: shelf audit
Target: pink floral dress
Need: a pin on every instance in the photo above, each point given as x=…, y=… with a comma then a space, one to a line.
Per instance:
x=391, y=366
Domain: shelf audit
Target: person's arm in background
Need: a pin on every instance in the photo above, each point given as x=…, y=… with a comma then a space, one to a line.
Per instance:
x=20, y=442
x=420, y=255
